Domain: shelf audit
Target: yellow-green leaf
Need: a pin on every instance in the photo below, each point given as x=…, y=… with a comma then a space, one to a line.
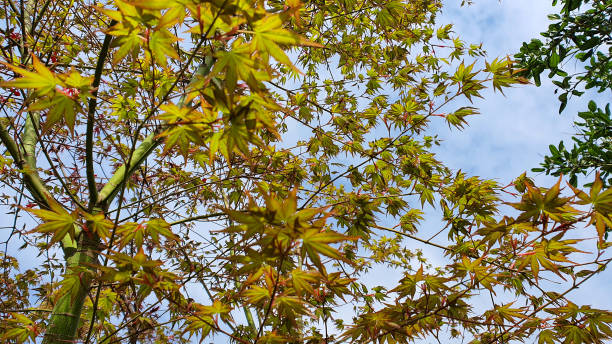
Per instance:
x=56, y=220
x=41, y=79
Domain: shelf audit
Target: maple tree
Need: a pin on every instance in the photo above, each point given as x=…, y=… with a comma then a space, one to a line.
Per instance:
x=236, y=168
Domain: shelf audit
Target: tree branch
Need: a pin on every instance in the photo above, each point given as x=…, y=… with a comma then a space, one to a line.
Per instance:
x=31, y=177
x=142, y=152
x=8, y=141
x=122, y=173
x=93, y=102
x=195, y=218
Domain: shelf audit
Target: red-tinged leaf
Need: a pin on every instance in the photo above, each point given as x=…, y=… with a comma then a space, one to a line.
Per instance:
x=73, y=281
x=21, y=329
x=131, y=231
x=253, y=277
x=98, y=224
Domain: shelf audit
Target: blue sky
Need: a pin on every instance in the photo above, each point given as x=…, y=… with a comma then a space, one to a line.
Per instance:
x=513, y=132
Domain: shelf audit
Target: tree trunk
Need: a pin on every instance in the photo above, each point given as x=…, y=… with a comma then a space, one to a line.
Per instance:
x=64, y=320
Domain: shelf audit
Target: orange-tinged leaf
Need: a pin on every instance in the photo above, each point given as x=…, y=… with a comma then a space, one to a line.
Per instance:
x=580, y=194
x=597, y=186
x=253, y=277
x=601, y=221
x=535, y=268
x=553, y=192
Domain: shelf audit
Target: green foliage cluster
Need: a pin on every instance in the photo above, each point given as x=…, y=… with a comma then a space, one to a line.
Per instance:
x=581, y=34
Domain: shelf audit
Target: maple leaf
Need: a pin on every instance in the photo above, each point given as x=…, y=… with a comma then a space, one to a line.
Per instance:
x=160, y=44
x=42, y=80
x=315, y=243
x=234, y=64
x=56, y=220
x=22, y=329
x=99, y=224
x=303, y=280
x=601, y=216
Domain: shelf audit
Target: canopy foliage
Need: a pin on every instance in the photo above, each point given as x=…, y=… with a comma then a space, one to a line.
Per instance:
x=238, y=168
